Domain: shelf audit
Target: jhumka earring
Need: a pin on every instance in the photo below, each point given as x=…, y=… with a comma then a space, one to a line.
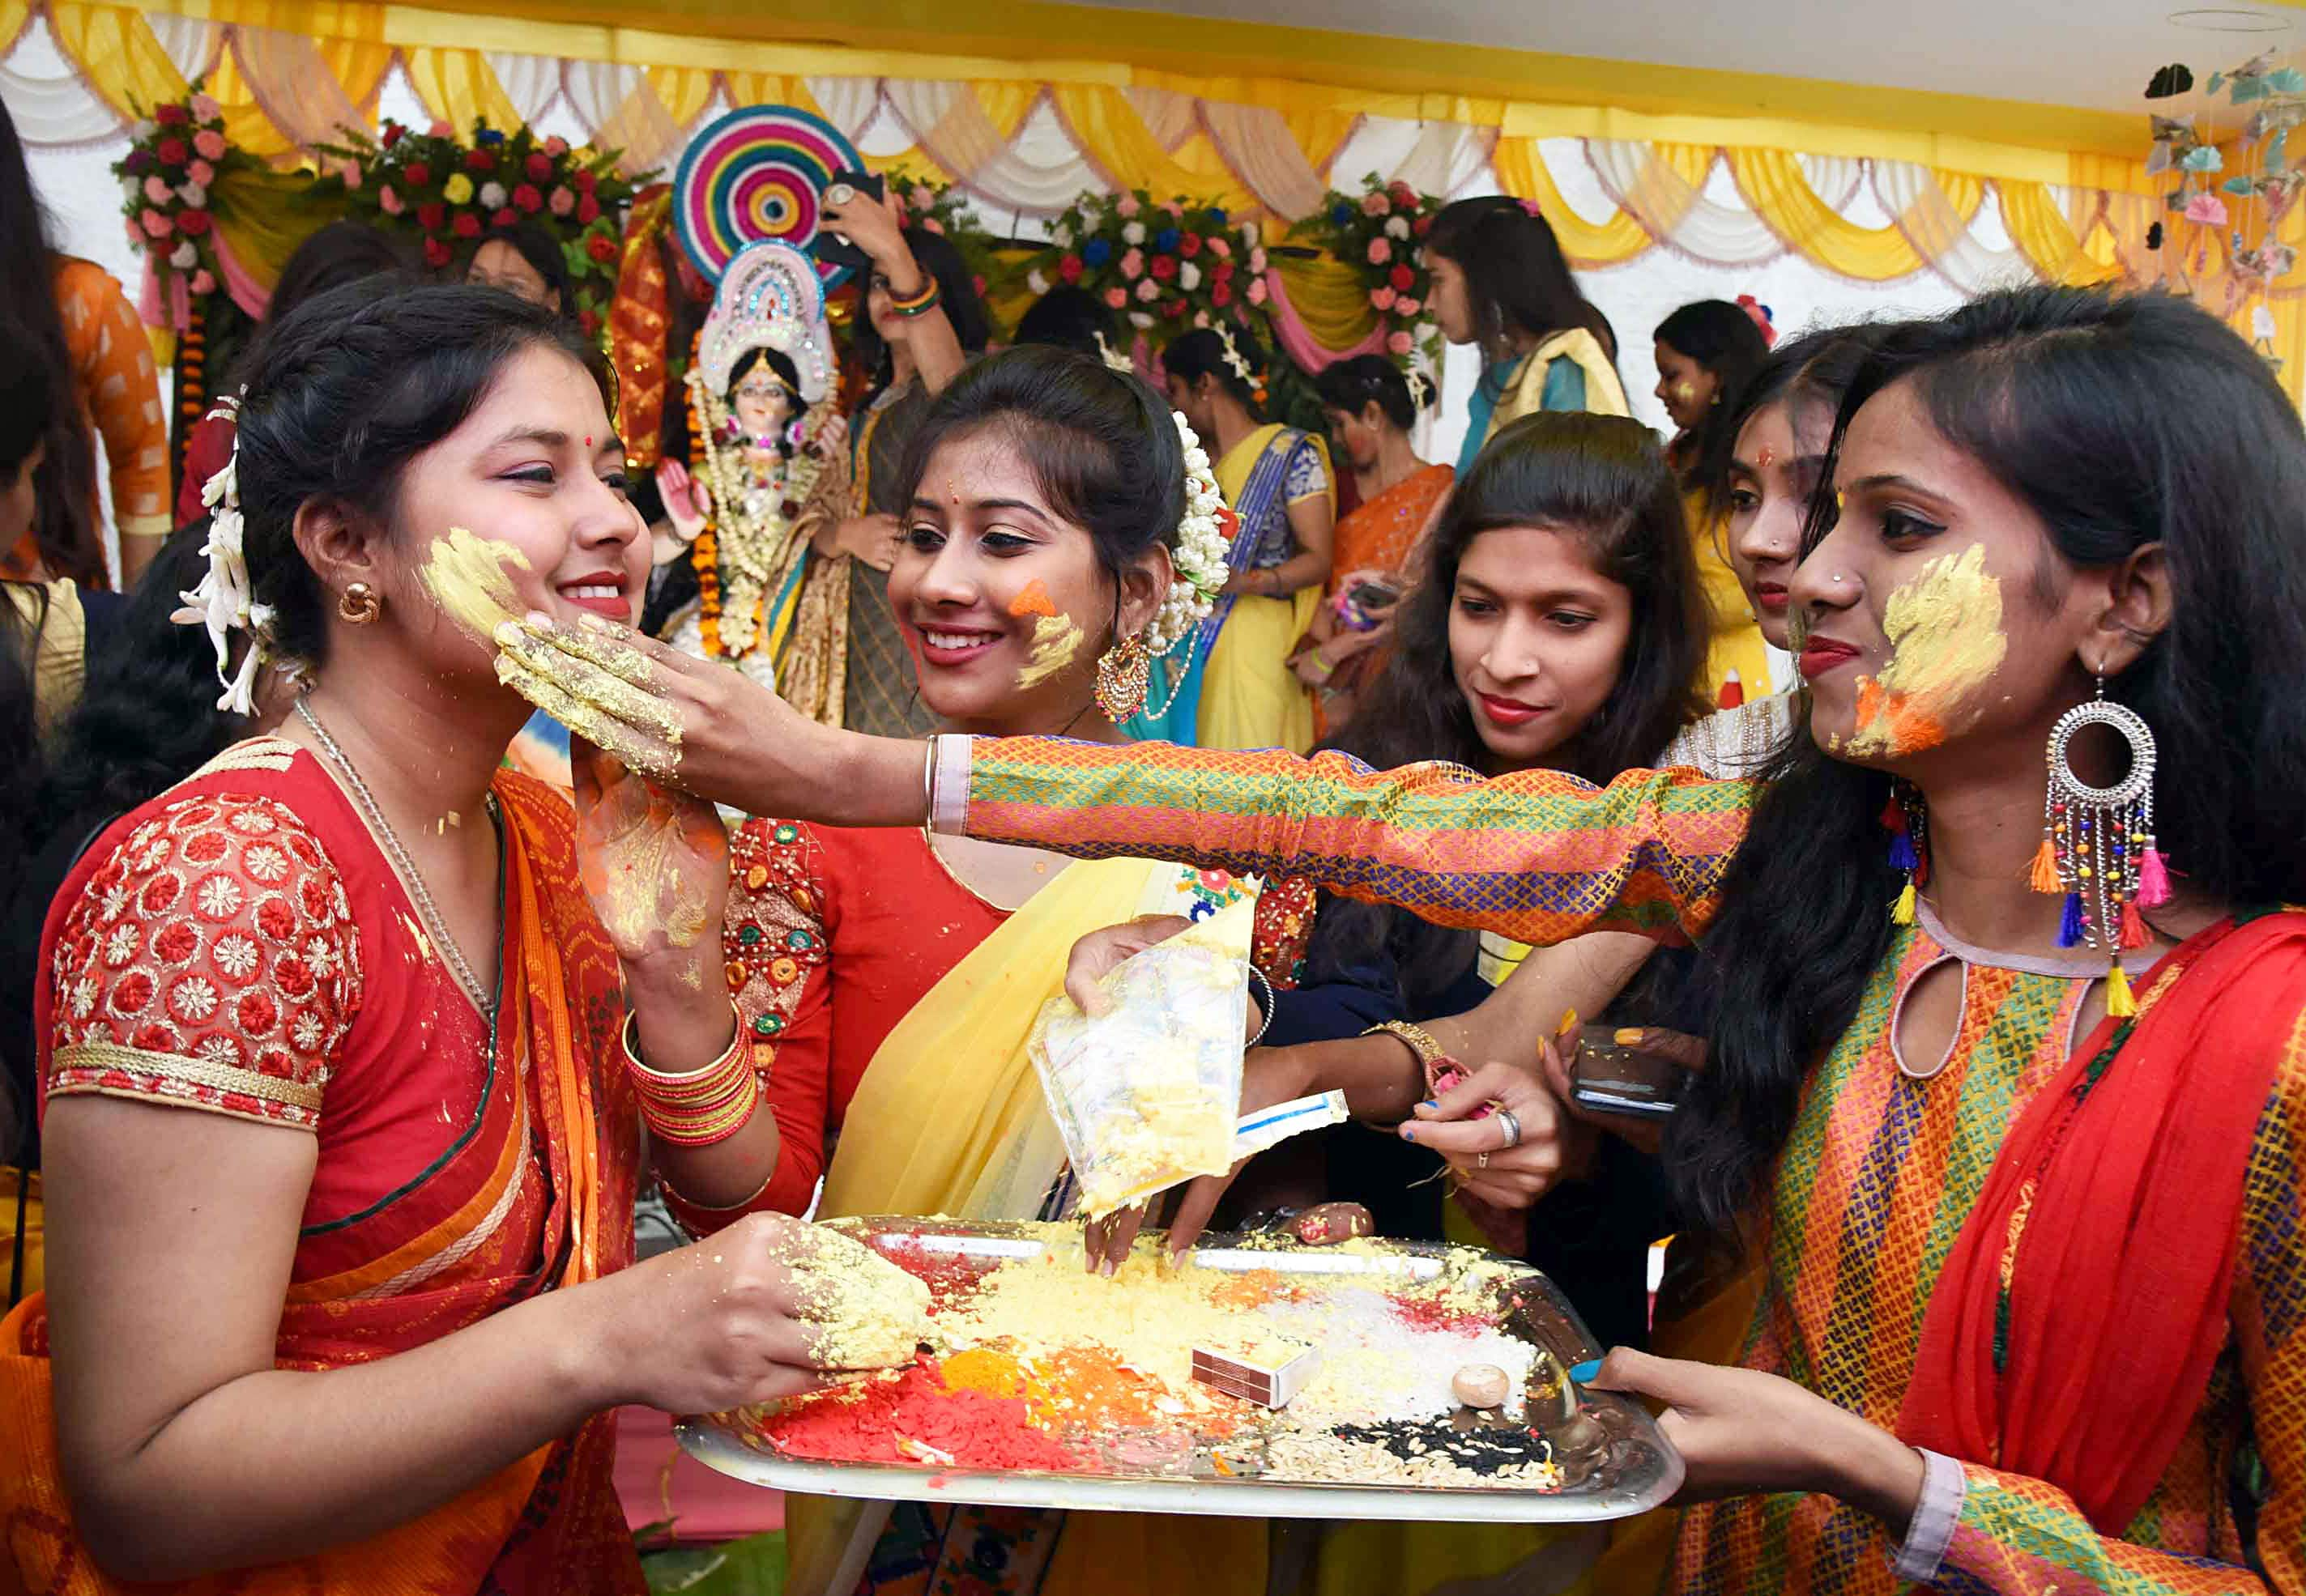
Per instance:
x=1123, y=673
x=2098, y=845
x=1908, y=821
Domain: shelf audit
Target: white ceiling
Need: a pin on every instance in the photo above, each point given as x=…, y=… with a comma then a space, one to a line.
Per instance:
x=2093, y=52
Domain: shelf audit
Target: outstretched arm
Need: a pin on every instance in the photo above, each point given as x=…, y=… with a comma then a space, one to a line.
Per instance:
x=1537, y=855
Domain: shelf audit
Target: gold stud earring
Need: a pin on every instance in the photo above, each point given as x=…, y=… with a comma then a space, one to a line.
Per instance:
x=360, y=605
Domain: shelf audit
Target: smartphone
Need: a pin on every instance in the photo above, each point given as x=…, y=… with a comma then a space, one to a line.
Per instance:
x=833, y=248
x=1610, y=1077
x=1360, y=606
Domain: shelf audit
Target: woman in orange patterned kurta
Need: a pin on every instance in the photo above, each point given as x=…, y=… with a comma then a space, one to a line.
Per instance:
x=2032, y=1230
x=333, y=1208
x=1371, y=405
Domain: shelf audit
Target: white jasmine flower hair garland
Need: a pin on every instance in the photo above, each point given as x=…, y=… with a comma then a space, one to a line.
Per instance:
x=223, y=601
x=1199, y=555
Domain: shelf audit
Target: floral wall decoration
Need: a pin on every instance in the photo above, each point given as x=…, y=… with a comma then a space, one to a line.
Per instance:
x=170, y=176
x=451, y=193
x=1167, y=266
x=1380, y=233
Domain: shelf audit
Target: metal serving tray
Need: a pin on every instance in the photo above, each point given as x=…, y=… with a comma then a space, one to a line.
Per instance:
x=1616, y=1462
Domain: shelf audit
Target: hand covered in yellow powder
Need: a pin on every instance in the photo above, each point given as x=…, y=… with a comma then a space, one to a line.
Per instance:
x=709, y=1327
x=653, y=862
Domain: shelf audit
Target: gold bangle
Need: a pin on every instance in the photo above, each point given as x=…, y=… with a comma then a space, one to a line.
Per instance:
x=1429, y=1054
x=1415, y=1037
x=680, y=1207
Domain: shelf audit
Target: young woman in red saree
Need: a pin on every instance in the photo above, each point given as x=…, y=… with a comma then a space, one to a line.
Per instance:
x=340, y=1143
x=2029, y=1211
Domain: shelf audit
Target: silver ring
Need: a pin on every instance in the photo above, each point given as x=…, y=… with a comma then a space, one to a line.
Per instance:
x=1512, y=1127
x=1482, y=1162
x=840, y=193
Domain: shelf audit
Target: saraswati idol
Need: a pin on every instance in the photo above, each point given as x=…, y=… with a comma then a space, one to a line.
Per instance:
x=770, y=464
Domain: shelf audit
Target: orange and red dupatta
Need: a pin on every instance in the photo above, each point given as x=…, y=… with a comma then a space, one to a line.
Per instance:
x=2071, y=1336
x=549, y=1522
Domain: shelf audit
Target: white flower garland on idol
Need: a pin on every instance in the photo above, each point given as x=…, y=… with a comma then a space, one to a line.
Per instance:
x=223, y=601
x=1200, y=556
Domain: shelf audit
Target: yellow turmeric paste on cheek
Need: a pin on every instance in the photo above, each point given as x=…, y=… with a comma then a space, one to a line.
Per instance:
x=1944, y=630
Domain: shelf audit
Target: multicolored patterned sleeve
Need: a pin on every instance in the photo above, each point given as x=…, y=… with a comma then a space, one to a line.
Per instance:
x=2022, y=1536
x=1537, y=855
x=774, y=940
x=211, y=962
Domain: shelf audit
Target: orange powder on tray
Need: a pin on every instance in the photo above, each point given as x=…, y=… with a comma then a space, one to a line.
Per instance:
x=1079, y=1388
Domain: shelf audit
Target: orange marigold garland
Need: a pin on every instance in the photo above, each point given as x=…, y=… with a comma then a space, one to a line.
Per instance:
x=191, y=384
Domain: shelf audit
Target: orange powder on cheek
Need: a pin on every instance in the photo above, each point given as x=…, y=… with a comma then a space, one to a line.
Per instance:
x=1034, y=601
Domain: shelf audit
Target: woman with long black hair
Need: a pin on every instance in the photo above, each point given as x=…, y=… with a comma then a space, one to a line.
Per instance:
x=2011, y=1049
x=1502, y=284
x=921, y=320
x=80, y=323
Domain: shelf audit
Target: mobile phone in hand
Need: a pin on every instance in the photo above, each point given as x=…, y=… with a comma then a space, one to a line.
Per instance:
x=833, y=248
x=1609, y=1076
x=1360, y=606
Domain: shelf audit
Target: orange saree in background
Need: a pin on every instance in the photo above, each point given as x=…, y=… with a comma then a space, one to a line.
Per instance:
x=256, y=879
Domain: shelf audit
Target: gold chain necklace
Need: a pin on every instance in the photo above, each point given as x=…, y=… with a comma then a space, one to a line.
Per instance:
x=373, y=812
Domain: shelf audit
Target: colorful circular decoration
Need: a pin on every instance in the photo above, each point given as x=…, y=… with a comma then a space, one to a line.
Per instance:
x=758, y=173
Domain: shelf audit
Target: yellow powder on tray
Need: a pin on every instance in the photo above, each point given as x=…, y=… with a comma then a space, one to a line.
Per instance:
x=1148, y=1317
x=867, y=1312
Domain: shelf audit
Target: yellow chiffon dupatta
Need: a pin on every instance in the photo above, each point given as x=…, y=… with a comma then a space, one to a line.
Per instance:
x=949, y=1119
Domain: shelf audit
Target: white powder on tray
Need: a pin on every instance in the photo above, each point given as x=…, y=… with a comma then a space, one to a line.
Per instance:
x=1377, y=1365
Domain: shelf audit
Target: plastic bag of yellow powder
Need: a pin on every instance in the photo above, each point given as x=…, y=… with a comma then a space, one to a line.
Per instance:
x=1146, y=1095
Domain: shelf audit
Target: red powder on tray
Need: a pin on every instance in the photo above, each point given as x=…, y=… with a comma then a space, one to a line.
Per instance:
x=1427, y=1313
x=913, y=1417
x=948, y=1274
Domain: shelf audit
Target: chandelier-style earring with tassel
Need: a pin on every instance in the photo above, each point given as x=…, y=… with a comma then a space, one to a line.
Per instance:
x=1123, y=673
x=2098, y=845
x=1908, y=820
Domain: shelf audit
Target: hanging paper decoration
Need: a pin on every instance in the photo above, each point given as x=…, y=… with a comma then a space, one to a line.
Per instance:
x=2169, y=82
x=757, y=174
x=2241, y=210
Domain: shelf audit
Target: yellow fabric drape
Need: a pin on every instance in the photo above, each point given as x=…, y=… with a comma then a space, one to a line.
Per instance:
x=115, y=54
x=2039, y=229
x=1115, y=138
x=1329, y=296
x=1005, y=104
x=684, y=92
x=1668, y=184
x=458, y=86
x=958, y=1123
x=1772, y=183
x=1522, y=172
